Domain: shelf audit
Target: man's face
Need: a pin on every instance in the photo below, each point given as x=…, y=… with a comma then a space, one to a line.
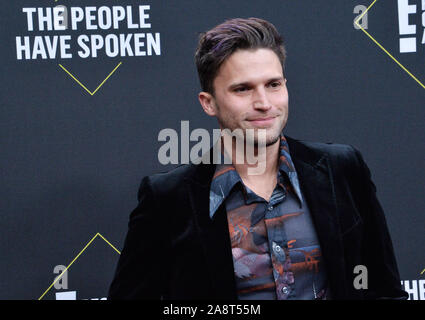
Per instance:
x=250, y=93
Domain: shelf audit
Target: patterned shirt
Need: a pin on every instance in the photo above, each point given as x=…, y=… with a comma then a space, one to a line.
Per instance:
x=276, y=253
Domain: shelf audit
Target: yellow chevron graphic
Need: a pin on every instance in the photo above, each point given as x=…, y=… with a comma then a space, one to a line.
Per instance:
x=83, y=86
x=78, y=255
x=383, y=49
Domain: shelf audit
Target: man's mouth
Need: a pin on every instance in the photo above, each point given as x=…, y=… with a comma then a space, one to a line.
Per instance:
x=264, y=121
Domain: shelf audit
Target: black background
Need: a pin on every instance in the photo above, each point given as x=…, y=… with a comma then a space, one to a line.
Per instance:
x=71, y=163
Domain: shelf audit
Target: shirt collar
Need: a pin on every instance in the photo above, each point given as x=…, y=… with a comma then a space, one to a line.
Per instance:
x=226, y=177
x=287, y=166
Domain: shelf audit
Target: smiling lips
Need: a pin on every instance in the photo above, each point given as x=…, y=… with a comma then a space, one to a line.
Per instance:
x=262, y=121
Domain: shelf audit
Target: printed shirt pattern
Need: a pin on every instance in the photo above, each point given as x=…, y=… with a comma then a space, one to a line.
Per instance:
x=276, y=253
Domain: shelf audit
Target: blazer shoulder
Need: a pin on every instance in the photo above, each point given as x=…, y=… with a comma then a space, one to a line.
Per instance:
x=341, y=155
x=167, y=182
x=332, y=149
x=329, y=147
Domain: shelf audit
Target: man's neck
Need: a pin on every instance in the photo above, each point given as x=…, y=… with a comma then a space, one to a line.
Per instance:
x=263, y=184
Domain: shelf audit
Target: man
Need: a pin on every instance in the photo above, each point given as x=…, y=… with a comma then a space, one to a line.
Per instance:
x=297, y=230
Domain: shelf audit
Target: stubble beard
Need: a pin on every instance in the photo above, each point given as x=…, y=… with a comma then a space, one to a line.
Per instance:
x=253, y=140
x=231, y=126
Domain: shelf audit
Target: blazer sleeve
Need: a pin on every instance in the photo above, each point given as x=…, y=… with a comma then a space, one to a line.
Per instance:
x=139, y=273
x=378, y=253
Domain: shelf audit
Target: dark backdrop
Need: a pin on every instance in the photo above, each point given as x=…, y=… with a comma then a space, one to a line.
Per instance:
x=71, y=162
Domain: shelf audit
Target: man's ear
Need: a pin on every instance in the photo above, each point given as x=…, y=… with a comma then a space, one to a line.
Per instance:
x=207, y=102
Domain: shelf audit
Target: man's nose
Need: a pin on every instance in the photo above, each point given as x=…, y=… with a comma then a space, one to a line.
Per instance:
x=260, y=100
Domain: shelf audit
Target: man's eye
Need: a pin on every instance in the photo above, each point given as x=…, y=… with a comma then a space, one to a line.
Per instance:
x=275, y=84
x=241, y=89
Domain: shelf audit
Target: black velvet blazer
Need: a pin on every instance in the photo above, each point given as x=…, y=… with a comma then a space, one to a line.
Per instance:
x=173, y=250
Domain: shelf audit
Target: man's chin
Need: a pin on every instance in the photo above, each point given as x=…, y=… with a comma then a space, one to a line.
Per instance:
x=269, y=141
x=272, y=141
x=271, y=136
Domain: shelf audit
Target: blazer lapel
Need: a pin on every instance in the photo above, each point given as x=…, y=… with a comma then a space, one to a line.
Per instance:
x=214, y=234
x=316, y=182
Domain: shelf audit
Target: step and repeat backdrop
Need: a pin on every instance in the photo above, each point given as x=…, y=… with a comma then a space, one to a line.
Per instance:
x=87, y=86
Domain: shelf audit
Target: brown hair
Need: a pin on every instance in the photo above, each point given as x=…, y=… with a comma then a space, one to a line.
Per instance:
x=217, y=44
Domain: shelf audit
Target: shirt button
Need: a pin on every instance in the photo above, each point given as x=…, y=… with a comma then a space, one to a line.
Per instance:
x=285, y=290
x=270, y=208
